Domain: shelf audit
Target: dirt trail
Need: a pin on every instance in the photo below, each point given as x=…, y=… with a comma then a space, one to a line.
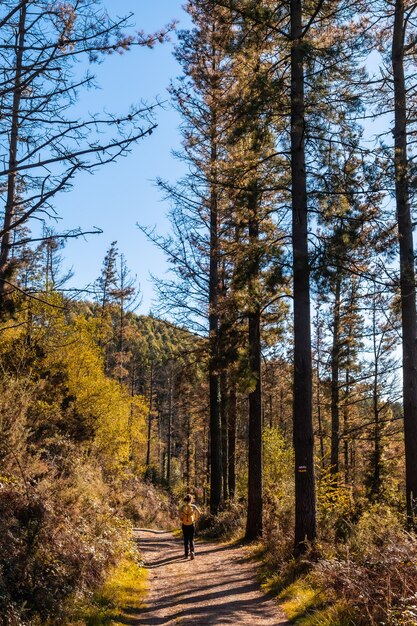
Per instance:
x=218, y=587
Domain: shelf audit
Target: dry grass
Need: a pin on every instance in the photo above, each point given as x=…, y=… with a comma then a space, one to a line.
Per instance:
x=369, y=579
x=125, y=588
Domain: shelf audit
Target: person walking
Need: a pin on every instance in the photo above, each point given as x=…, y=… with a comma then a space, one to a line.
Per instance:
x=189, y=513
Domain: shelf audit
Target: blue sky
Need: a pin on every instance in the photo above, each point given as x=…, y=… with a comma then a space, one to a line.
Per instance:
x=119, y=195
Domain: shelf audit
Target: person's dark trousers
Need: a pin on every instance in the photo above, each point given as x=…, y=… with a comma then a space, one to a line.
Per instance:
x=188, y=533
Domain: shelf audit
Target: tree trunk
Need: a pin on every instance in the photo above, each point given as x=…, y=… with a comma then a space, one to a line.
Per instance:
x=335, y=365
x=407, y=273
x=215, y=445
x=231, y=432
x=254, y=518
x=132, y=395
x=224, y=429
x=215, y=426
x=196, y=472
x=169, y=445
x=188, y=452
x=375, y=488
x=9, y=209
x=148, y=447
x=376, y=457
x=282, y=424
x=346, y=428
x=318, y=390
x=305, y=499
x=208, y=473
x=347, y=389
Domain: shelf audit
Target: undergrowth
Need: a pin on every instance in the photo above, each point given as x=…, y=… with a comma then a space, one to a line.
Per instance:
x=227, y=524
x=124, y=589
x=368, y=579
x=147, y=505
x=362, y=571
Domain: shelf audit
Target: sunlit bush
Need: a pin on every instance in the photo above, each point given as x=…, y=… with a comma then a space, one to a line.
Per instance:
x=226, y=524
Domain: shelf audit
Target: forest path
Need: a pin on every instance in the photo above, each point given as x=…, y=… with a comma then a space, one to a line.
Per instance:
x=219, y=587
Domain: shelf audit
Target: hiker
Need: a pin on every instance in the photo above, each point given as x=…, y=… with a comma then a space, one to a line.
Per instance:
x=189, y=514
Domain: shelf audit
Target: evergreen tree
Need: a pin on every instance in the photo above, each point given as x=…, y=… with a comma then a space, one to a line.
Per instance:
x=197, y=200
x=406, y=247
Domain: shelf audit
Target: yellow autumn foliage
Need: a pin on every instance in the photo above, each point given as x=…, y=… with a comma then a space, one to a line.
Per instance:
x=69, y=352
x=118, y=418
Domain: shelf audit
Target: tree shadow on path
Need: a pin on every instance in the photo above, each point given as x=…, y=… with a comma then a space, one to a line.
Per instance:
x=218, y=587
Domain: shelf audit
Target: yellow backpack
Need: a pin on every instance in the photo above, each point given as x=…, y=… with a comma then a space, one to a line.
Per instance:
x=187, y=515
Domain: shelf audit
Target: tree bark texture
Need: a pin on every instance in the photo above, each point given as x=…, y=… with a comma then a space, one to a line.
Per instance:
x=407, y=273
x=255, y=496
x=188, y=450
x=214, y=384
x=346, y=427
x=305, y=499
x=231, y=436
x=318, y=392
x=148, y=445
x=224, y=430
x=169, y=443
x=335, y=366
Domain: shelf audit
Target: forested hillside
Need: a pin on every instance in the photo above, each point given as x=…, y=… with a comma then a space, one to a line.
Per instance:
x=73, y=449
x=276, y=380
